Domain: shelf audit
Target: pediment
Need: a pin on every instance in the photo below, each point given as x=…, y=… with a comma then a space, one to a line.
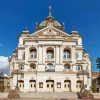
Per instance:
x=50, y=31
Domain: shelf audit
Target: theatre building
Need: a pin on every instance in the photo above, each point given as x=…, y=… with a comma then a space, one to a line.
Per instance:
x=50, y=60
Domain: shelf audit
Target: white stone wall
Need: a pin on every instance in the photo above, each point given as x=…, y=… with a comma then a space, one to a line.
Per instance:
x=39, y=74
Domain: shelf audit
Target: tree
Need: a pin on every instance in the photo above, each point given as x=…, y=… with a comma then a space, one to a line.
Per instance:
x=98, y=63
x=98, y=66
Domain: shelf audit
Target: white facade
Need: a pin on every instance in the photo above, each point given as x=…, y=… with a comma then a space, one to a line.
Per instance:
x=50, y=60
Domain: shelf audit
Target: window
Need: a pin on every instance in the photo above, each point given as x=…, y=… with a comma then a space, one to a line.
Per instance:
x=50, y=68
x=79, y=67
x=33, y=52
x=58, y=85
x=31, y=85
x=50, y=53
x=40, y=84
x=47, y=85
x=66, y=67
x=20, y=85
x=34, y=85
x=51, y=85
x=32, y=66
x=67, y=54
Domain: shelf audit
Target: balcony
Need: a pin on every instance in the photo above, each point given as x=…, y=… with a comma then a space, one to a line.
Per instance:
x=50, y=69
x=49, y=59
x=33, y=70
x=67, y=59
x=32, y=59
x=20, y=61
x=68, y=70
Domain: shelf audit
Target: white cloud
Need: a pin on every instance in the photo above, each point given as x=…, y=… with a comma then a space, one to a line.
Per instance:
x=4, y=62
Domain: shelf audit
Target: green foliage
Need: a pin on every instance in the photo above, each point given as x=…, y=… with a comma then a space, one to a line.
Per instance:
x=2, y=87
x=13, y=94
x=98, y=63
x=94, y=88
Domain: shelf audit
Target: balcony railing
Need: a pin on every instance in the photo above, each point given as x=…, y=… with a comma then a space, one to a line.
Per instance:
x=50, y=69
x=32, y=59
x=68, y=70
x=67, y=59
x=49, y=59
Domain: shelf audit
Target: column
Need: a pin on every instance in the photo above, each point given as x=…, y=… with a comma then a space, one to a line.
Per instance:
x=27, y=54
x=57, y=54
x=61, y=54
x=40, y=55
x=44, y=54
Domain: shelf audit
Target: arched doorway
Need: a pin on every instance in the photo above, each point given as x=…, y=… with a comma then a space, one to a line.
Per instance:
x=50, y=85
x=79, y=85
x=67, y=85
x=32, y=85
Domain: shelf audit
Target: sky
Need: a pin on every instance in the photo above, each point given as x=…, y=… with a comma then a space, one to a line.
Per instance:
x=81, y=15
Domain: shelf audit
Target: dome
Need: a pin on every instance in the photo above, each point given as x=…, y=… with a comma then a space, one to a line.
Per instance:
x=50, y=21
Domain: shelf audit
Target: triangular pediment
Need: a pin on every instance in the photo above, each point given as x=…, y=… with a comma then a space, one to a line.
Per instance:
x=50, y=31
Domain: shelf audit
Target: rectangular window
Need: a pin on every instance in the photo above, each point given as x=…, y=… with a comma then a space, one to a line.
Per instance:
x=64, y=56
x=47, y=85
x=40, y=84
x=34, y=85
x=58, y=84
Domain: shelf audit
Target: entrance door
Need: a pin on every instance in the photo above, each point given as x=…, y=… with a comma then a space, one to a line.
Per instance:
x=50, y=86
x=79, y=86
x=32, y=85
x=67, y=85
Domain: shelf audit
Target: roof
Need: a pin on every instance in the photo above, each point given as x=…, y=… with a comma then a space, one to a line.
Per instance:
x=95, y=74
x=50, y=20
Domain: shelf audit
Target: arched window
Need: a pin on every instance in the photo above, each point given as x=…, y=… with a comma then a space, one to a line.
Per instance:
x=67, y=53
x=50, y=53
x=33, y=52
x=79, y=67
x=67, y=67
x=33, y=66
x=50, y=67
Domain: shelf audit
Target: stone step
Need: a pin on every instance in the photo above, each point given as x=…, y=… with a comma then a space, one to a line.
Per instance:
x=47, y=95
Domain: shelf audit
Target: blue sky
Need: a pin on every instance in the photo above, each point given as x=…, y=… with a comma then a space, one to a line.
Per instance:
x=84, y=15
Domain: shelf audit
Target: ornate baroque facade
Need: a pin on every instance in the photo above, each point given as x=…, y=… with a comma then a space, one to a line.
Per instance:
x=50, y=60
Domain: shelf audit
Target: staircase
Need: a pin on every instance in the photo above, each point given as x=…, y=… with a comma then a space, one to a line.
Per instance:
x=49, y=95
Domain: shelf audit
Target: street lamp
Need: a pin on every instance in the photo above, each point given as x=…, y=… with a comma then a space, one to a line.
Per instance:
x=17, y=88
x=83, y=73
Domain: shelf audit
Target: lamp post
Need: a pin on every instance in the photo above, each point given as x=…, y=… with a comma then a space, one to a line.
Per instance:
x=17, y=88
x=83, y=73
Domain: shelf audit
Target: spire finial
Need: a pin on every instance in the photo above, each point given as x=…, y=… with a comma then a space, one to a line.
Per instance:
x=49, y=10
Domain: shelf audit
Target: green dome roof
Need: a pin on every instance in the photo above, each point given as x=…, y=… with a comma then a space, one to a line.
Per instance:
x=50, y=21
